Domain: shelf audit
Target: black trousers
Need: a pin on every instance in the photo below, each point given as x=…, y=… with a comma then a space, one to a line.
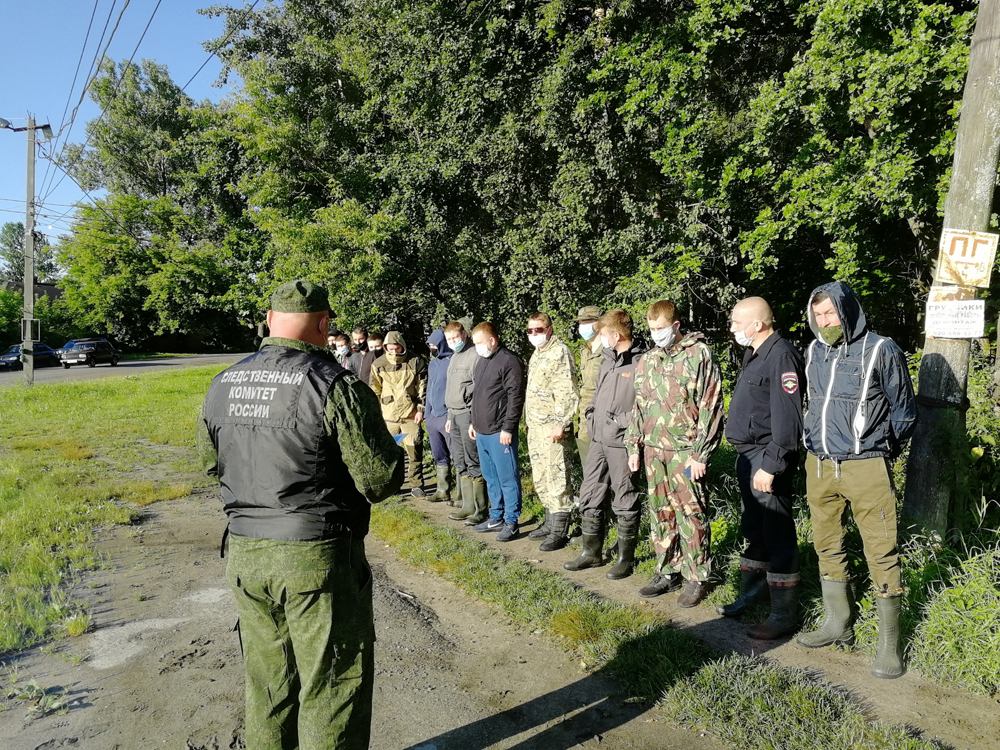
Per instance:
x=767, y=522
x=606, y=468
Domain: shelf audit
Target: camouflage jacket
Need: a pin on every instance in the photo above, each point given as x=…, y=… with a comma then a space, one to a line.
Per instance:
x=678, y=400
x=553, y=391
x=590, y=364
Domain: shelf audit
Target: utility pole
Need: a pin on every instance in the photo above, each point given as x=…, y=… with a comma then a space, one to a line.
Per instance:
x=27, y=345
x=933, y=473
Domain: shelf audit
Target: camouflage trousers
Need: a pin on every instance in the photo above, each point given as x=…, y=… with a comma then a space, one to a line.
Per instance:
x=679, y=528
x=413, y=444
x=308, y=639
x=550, y=464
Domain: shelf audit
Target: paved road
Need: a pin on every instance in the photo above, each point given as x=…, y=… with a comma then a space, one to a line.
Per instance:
x=45, y=375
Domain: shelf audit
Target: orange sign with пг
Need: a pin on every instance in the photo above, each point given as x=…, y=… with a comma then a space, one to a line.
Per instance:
x=966, y=258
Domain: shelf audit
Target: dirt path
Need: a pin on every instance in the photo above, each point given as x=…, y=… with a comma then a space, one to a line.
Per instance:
x=955, y=717
x=162, y=666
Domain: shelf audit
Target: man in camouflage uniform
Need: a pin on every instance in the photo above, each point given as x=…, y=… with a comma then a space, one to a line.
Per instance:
x=590, y=363
x=549, y=407
x=300, y=450
x=676, y=425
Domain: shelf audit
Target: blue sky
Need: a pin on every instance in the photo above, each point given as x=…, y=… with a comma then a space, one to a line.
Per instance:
x=42, y=43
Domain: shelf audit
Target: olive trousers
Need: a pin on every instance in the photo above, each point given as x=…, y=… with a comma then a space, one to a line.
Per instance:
x=308, y=637
x=867, y=485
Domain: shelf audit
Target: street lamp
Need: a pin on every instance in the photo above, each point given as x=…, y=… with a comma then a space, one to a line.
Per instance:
x=30, y=330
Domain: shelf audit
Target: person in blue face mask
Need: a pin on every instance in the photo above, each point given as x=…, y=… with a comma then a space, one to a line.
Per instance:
x=475, y=504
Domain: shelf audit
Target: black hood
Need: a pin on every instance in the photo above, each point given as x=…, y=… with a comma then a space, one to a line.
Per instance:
x=852, y=317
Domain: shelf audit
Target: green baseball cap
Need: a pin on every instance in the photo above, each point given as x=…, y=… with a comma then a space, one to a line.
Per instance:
x=591, y=312
x=300, y=296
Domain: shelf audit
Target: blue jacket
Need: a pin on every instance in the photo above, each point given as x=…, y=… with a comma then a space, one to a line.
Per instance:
x=437, y=375
x=861, y=402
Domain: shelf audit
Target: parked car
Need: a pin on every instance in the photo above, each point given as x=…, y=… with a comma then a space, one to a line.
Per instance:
x=90, y=352
x=45, y=356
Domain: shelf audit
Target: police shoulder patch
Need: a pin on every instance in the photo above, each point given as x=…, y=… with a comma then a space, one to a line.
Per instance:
x=790, y=382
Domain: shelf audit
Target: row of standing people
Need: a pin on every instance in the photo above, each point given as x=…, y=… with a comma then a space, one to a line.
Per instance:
x=656, y=414
x=300, y=448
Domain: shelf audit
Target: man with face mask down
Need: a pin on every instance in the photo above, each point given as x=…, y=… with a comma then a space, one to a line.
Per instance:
x=436, y=419
x=861, y=413
x=606, y=468
x=497, y=403
x=549, y=408
x=590, y=363
x=399, y=379
x=458, y=398
x=764, y=426
x=676, y=425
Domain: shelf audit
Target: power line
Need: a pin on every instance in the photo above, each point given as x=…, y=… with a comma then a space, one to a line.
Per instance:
x=219, y=46
x=69, y=96
x=89, y=78
x=94, y=78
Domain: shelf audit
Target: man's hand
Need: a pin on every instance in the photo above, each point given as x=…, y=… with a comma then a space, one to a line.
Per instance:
x=472, y=432
x=763, y=482
x=505, y=437
x=633, y=463
x=697, y=469
x=447, y=426
x=418, y=417
x=557, y=433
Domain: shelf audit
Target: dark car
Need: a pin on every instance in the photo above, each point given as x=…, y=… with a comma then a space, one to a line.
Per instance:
x=90, y=352
x=44, y=356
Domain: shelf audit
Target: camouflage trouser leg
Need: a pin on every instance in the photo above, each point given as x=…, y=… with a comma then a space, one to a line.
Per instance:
x=306, y=628
x=550, y=464
x=679, y=528
x=413, y=444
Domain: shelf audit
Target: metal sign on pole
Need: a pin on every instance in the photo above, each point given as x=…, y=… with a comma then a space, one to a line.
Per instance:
x=966, y=258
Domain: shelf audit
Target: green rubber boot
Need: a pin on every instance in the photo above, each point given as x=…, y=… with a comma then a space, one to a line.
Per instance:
x=481, y=500
x=443, y=489
x=468, y=502
x=836, y=627
x=888, y=662
x=593, y=545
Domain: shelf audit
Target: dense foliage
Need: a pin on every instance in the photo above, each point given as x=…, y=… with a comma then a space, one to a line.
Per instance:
x=429, y=159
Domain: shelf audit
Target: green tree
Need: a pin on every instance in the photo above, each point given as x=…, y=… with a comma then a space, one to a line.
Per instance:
x=12, y=255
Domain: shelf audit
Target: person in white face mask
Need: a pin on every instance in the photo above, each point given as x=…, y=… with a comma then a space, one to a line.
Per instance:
x=675, y=427
x=765, y=427
x=549, y=408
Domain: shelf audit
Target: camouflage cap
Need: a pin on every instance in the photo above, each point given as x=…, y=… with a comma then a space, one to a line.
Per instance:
x=591, y=312
x=300, y=296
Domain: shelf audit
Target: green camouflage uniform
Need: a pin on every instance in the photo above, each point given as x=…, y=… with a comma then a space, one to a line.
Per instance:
x=590, y=364
x=551, y=399
x=677, y=416
x=305, y=607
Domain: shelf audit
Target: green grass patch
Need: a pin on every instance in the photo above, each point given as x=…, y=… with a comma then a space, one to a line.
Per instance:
x=69, y=460
x=748, y=702
x=753, y=704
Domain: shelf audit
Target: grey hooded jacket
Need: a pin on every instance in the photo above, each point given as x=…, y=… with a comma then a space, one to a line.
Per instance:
x=861, y=402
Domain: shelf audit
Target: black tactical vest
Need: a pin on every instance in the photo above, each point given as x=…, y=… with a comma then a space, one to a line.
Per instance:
x=282, y=476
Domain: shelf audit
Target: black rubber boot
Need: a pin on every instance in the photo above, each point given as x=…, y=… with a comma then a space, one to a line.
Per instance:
x=784, y=617
x=627, y=540
x=559, y=533
x=888, y=662
x=593, y=545
x=836, y=627
x=753, y=590
x=543, y=528
x=482, y=502
x=443, y=489
x=468, y=503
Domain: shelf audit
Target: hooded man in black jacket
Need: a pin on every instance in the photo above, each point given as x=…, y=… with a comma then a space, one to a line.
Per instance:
x=861, y=413
x=606, y=467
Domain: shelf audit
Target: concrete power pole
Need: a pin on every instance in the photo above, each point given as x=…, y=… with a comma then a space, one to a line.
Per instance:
x=27, y=346
x=932, y=471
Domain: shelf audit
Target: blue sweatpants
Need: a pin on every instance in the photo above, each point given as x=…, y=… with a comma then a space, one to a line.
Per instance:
x=439, y=439
x=503, y=482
